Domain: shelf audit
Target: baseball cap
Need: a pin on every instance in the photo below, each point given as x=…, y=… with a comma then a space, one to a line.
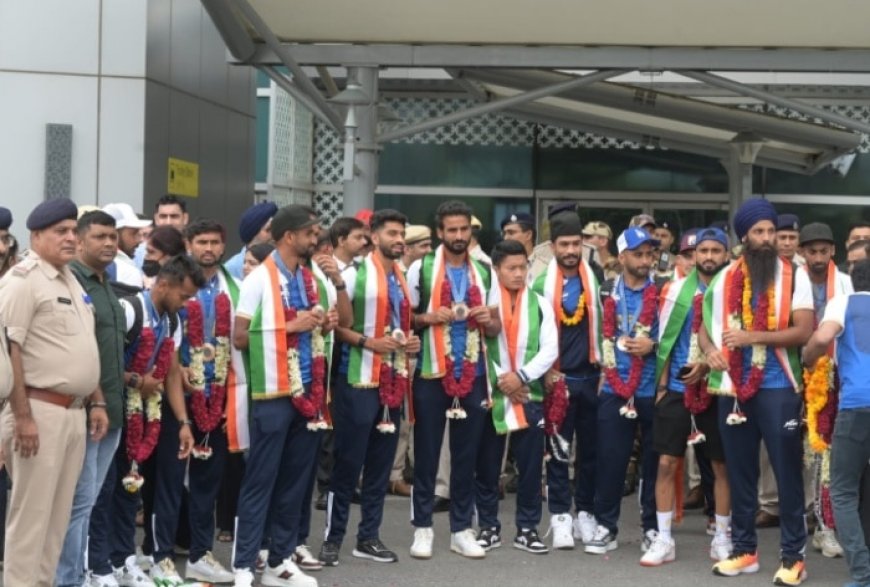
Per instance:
x=633, y=237
x=597, y=228
x=124, y=216
x=815, y=231
x=712, y=234
x=787, y=222
x=689, y=240
x=642, y=220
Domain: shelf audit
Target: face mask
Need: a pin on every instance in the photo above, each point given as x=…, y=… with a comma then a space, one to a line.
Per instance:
x=150, y=268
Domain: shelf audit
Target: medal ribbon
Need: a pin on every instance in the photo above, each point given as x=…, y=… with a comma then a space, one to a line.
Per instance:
x=159, y=324
x=459, y=287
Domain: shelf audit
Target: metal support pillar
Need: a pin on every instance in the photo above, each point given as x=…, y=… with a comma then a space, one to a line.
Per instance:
x=362, y=177
x=739, y=184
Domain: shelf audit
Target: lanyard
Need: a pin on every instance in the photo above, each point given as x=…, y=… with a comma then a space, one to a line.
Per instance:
x=395, y=296
x=627, y=322
x=206, y=296
x=159, y=325
x=459, y=287
x=296, y=279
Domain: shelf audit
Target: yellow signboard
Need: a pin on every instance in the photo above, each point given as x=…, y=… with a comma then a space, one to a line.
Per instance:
x=183, y=178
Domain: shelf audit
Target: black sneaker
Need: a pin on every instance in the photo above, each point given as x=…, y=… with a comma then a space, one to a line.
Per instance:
x=527, y=539
x=329, y=554
x=489, y=538
x=375, y=550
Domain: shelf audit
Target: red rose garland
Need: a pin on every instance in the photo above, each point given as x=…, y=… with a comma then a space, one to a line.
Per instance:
x=311, y=405
x=459, y=388
x=626, y=389
x=696, y=397
x=745, y=391
x=207, y=413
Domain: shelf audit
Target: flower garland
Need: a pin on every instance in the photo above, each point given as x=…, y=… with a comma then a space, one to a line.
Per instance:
x=555, y=408
x=742, y=317
x=311, y=405
x=143, y=418
x=643, y=327
x=696, y=398
x=821, y=387
x=577, y=317
x=459, y=388
x=208, y=412
x=394, y=380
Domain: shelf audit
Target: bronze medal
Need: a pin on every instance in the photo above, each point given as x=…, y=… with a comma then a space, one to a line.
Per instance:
x=208, y=352
x=399, y=336
x=621, y=343
x=460, y=311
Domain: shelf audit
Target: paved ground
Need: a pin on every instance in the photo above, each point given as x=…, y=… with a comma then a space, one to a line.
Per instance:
x=507, y=566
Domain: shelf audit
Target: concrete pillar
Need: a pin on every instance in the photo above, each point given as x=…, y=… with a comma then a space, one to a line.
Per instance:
x=359, y=192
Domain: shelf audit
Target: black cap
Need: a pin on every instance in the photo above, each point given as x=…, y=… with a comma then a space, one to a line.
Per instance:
x=815, y=231
x=291, y=218
x=562, y=207
x=5, y=218
x=518, y=218
x=565, y=224
x=51, y=212
x=787, y=222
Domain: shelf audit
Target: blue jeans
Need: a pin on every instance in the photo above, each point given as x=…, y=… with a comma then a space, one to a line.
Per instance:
x=98, y=458
x=850, y=450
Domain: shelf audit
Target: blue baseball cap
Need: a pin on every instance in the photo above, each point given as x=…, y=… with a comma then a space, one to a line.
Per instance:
x=632, y=238
x=712, y=234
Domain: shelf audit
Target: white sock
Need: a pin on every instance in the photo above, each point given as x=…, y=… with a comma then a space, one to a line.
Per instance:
x=664, y=521
x=722, y=524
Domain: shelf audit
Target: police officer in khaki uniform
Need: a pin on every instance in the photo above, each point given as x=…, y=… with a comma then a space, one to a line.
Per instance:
x=56, y=369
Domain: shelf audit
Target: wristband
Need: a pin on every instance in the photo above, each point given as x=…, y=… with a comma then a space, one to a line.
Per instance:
x=134, y=381
x=341, y=287
x=185, y=422
x=97, y=405
x=361, y=343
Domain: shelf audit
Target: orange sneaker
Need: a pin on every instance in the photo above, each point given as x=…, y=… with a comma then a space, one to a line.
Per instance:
x=737, y=563
x=791, y=572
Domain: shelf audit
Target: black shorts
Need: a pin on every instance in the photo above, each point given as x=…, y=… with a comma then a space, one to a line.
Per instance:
x=673, y=424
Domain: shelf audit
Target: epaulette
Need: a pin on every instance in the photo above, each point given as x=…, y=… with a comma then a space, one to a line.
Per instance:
x=24, y=267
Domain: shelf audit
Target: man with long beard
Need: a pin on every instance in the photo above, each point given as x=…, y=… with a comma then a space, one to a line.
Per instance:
x=448, y=292
x=685, y=414
x=570, y=287
x=817, y=243
x=372, y=384
x=757, y=312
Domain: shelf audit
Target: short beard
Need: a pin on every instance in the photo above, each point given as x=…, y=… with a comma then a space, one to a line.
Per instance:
x=456, y=247
x=564, y=263
x=761, y=262
x=713, y=271
x=388, y=253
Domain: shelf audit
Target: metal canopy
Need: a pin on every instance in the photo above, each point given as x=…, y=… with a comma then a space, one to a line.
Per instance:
x=508, y=65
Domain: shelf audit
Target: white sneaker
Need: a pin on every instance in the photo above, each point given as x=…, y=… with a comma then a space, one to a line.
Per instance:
x=287, y=574
x=101, y=580
x=584, y=527
x=131, y=575
x=262, y=557
x=602, y=542
x=305, y=560
x=144, y=561
x=721, y=548
x=561, y=527
x=165, y=573
x=648, y=538
x=662, y=550
x=465, y=543
x=243, y=578
x=422, y=546
x=208, y=569
x=826, y=541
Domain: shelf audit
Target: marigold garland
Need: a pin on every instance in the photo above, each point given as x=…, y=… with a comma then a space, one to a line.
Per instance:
x=577, y=317
x=643, y=326
x=143, y=417
x=742, y=317
x=459, y=388
x=821, y=402
x=311, y=406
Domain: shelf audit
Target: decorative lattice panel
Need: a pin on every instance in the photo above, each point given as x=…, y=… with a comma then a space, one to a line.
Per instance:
x=853, y=111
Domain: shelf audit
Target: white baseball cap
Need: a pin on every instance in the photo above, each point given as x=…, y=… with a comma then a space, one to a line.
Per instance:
x=124, y=216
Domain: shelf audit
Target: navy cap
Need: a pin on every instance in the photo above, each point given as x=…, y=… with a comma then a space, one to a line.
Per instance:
x=5, y=218
x=518, y=218
x=254, y=219
x=632, y=238
x=788, y=222
x=51, y=212
x=562, y=207
x=712, y=234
